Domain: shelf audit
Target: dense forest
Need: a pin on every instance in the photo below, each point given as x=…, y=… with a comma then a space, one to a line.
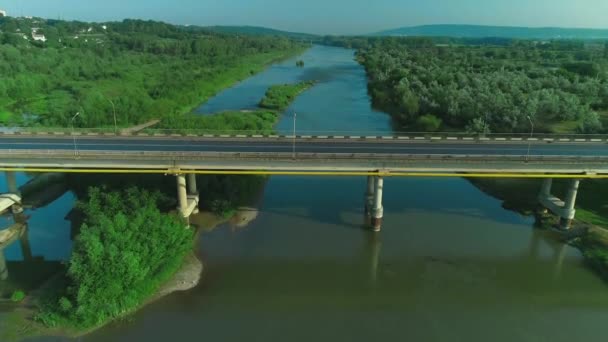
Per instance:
x=561, y=86
x=136, y=69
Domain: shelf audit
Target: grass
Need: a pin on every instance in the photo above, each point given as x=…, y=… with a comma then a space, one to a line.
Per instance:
x=563, y=127
x=280, y=97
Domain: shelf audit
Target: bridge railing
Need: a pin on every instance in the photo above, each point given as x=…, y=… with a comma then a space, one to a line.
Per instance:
x=19, y=154
x=207, y=133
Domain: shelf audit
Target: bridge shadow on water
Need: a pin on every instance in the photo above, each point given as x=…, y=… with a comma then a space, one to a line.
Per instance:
x=337, y=201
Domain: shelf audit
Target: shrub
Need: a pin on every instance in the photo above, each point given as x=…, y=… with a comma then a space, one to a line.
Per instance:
x=126, y=249
x=18, y=296
x=428, y=123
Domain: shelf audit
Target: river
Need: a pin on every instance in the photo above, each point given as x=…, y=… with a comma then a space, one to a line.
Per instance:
x=450, y=264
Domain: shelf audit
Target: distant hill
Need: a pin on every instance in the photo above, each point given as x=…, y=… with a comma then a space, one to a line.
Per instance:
x=258, y=31
x=479, y=31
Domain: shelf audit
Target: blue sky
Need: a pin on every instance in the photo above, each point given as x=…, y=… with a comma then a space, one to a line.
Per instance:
x=327, y=16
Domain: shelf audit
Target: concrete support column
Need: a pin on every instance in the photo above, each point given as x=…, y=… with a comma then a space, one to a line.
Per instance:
x=11, y=183
x=369, y=200
x=193, y=192
x=3, y=267
x=545, y=191
x=26, y=248
x=182, y=194
x=192, y=188
x=378, y=211
x=569, y=212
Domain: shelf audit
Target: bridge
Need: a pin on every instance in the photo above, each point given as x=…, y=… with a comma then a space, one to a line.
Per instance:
x=544, y=156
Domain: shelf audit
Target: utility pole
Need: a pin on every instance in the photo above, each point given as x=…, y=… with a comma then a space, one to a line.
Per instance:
x=531, y=136
x=115, y=122
x=74, y=135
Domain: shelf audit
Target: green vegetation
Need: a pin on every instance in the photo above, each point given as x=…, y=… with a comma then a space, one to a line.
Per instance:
x=140, y=69
x=279, y=97
x=126, y=249
x=252, y=122
x=18, y=296
x=258, y=31
x=560, y=85
x=428, y=123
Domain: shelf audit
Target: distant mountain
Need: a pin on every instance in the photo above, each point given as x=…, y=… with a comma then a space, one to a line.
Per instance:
x=258, y=31
x=479, y=31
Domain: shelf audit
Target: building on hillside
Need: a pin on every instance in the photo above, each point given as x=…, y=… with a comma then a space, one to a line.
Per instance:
x=3, y=13
x=37, y=36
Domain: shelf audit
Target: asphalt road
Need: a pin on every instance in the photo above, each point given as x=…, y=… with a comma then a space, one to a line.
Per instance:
x=244, y=145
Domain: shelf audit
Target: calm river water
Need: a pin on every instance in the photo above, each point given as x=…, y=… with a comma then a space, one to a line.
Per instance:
x=450, y=264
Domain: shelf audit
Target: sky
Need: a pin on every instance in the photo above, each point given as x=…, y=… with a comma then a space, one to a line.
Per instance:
x=326, y=16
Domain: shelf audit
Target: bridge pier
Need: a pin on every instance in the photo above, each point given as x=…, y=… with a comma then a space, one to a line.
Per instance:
x=369, y=200
x=378, y=210
x=187, y=196
x=569, y=212
x=193, y=195
x=24, y=238
x=564, y=209
x=11, y=183
x=3, y=267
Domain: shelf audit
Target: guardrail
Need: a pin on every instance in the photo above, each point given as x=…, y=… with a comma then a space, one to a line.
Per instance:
x=61, y=131
x=541, y=138
x=285, y=156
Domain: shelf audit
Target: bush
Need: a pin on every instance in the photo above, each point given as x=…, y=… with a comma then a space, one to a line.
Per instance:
x=279, y=97
x=18, y=296
x=428, y=123
x=126, y=249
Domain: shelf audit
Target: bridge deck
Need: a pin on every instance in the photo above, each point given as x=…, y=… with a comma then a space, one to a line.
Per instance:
x=321, y=154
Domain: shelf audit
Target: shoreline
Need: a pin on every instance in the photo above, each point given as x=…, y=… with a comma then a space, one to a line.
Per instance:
x=19, y=322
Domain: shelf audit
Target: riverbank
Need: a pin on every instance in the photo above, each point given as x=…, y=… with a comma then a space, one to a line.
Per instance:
x=20, y=323
x=252, y=66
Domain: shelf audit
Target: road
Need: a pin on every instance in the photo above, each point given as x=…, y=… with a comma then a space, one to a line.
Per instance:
x=329, y=146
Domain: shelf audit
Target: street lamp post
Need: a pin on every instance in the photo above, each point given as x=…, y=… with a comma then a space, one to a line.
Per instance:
x=295, y=116
x=114, y=110
x=531, y=136
x=485, y=124
x=74, y=135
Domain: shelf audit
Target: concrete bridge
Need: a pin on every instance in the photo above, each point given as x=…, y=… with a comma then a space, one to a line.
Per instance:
x=377, y=157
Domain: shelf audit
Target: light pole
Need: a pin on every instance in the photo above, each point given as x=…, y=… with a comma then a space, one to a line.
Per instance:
x=74, y=135
x=295, y=116
x=531, y=136
x=485, y=124
x=114, y=110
